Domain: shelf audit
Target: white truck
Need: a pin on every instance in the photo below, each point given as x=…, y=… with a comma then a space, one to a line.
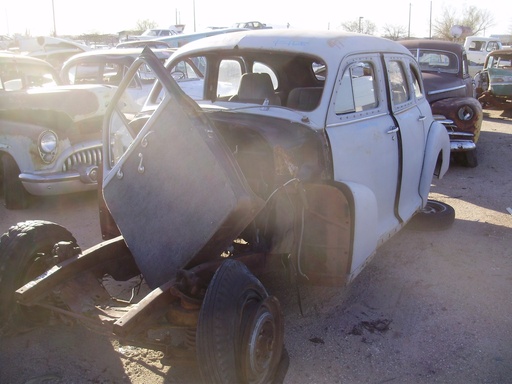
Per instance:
x=477, y=49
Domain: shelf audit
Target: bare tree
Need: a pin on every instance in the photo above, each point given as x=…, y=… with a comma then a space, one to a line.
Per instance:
x=362, y=26
x=473, y=19
x=143, y=25
x=394, y=32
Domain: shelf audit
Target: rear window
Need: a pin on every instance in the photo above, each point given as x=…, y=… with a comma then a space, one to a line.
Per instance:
x=438, y=61
x=15, y=77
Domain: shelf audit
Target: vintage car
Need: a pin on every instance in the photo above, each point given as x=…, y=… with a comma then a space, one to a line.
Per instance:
x=494, y=82
x=50, y=134
x=450, y=91
x=54, y=50
x=108, y=66
x=251, y=25
x=285, y=171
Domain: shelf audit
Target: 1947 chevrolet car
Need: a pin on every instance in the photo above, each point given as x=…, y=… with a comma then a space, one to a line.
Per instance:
x=306, y=152
x=50, y=134
x=450, y=90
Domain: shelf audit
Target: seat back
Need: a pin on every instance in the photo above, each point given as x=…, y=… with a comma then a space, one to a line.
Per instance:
x=305, y=98
x=256, y=88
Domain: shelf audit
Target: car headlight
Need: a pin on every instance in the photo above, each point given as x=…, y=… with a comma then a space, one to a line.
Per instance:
x=48, y=143
x=465, y=113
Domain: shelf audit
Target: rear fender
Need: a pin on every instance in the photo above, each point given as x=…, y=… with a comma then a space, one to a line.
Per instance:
x=365, y=238
x=437, y=158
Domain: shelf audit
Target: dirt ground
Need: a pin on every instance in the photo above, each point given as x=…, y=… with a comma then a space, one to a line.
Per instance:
x=431, y=307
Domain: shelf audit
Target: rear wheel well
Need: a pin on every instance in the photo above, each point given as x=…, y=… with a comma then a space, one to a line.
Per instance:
x=439, y=163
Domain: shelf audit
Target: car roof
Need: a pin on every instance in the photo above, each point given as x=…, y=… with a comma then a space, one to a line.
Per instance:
x=433, y=44
x=330, y=46
x=127, y=55
x=10, y=57
x=504, y=51
x=132, y=52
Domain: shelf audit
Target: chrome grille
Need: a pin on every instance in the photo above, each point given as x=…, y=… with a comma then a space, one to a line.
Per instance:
x=90, y=156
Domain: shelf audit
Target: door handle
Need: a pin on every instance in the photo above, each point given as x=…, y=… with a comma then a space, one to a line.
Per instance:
x=392, y=130
x=421, y=118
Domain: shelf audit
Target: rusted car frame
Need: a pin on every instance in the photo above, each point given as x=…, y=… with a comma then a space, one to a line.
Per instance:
x=494, y=82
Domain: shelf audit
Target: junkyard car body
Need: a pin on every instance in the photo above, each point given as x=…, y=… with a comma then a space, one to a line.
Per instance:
x=176, y=41
x=494, y=82
x=451, y=93
x=252, y=25
x=50, y=134
x=274, y=165
x=108, y=67
x=311, y=125
x=53, y=50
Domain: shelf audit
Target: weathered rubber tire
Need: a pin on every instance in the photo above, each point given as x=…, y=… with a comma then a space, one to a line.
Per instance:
x=236, y=314
x=15, y=195
x=467, y=159
x=436, y=216
x=25, y=253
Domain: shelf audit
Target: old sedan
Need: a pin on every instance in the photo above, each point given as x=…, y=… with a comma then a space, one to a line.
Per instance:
x=451, y=94
x=494, y=82
x=50, y=134
x=276, y=167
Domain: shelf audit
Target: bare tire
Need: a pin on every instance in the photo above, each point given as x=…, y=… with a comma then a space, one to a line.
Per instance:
x=15, y=195
x=435, y=216
x=467, y=159
x=25, y=253
x=240, y=330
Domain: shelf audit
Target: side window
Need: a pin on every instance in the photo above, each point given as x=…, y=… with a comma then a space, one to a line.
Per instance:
x=416, y=83
x=189, y=77
x=96, y=73
x=358, y=91
x=398, y=83
x=492, y=46
x=83, y=74
x=230, y=72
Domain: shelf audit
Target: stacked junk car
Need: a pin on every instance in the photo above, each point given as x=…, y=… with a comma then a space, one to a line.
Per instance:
x=303, y=153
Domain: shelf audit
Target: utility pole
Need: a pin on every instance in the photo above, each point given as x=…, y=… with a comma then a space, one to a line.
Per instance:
x=54, y=27
x=194, y=13
x=360, y=18
x=430, y=23
x=409, y=30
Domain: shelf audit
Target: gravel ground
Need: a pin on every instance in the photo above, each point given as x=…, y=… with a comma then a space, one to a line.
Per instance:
x=431, y=307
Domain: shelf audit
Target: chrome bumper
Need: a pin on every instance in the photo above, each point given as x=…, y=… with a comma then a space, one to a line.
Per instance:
x=459, y=141
x=78, y=180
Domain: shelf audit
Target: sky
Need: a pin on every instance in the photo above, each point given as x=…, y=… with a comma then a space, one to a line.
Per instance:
x=36, y=17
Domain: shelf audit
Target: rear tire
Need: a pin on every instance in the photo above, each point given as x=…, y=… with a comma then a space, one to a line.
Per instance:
x=15, y=195
x=25, y=253
x=436, y=216
x=467, y=159
x=240, y=330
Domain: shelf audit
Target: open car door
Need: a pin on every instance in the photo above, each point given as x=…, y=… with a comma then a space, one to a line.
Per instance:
x=188, y=198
